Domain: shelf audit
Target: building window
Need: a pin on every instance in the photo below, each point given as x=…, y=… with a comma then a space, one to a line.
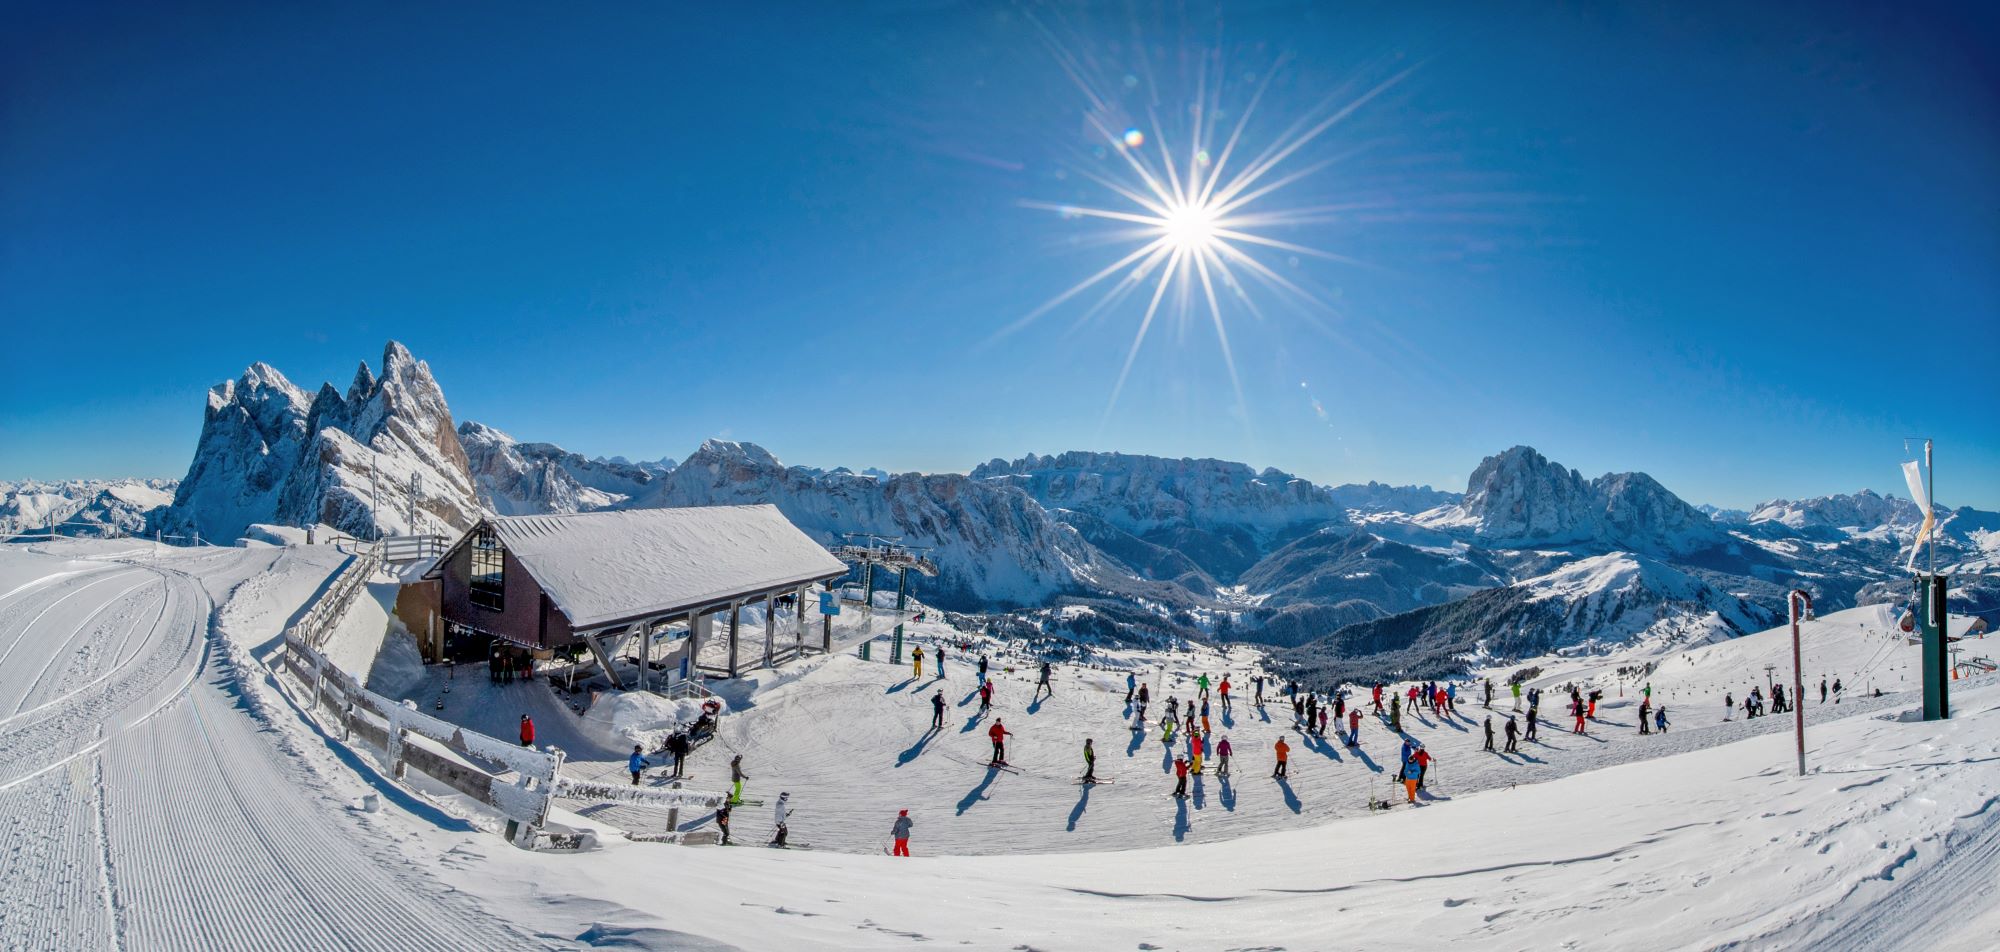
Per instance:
x=489, y=569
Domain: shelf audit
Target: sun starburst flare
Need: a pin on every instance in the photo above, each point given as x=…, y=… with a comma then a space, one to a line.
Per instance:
x=1202, y=217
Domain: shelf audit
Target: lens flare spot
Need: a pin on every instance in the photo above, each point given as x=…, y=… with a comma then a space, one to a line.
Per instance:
x=1134, y=138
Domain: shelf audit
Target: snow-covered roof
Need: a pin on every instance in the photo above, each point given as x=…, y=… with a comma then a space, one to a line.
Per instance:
x=612, y=566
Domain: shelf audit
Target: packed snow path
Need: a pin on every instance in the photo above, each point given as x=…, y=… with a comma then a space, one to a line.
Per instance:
x=142, y=807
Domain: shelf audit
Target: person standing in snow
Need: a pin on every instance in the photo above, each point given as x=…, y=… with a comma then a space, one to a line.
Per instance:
x=1145, y=696
x=1513, y=734
x=1576, y=709
x=1197, y=746
x=1489, y=693
x=722, y=822
x=1222, y=757
x=1339, y=706
x=1354, y=728
x=1378, y=697
x=1311, y=714
x=917, y=662
x=636, y=763
x=900, y=832
x=985, y=696
x=782, y=812
x=1322, y=720
x=940, y=661
x=1258, y=683
x=1202, y=682
x=1205, y=728
x=1822, y=690
x=1131, y=684
x=1089, y=760
x=1836, y=690
x=982, y=667
x=1516, y=685
x=1396, y=713
x=1044, y=685
x=1180, y=777
x=937, y=711
x=1225, y=693
x=1489, y=732
x=1283, y=750
x=1534, y=718
x=999, y=734
x=736, y=778
x=679, y=746
x=1167, y=725
x=1660, y=719
x=1728, y=706
x=527, y=731
x=1646, y=716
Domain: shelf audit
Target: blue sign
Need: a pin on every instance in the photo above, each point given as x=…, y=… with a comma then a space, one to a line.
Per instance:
x=829, y=603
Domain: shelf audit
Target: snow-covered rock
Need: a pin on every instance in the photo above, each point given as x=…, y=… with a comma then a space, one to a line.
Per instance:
x=268, y=454
x=517, y=479
x=1520, y=499
x=1864, y=509
x=994, y=545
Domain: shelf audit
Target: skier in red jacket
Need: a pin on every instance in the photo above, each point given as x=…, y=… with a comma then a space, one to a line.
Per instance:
x=999, y=733
x=527, y=731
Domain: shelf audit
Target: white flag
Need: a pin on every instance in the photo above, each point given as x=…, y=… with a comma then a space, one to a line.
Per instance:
x=1914, y=475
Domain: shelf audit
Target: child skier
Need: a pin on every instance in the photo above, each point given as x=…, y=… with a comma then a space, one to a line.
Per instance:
x=636, y=763
x=901, y=833
x=999, y=734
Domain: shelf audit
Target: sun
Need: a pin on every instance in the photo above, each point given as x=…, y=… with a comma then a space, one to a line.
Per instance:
x=1190, y=226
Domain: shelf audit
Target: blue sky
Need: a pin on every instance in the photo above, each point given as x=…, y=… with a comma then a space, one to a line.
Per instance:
x=1745, y=251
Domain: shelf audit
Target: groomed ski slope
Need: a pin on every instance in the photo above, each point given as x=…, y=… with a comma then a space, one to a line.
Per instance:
x=145, y=803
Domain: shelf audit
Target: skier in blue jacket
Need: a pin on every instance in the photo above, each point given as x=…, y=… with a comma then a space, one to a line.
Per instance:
x=636, y=764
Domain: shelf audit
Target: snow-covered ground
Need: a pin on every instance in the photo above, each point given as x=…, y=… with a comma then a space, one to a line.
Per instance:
x=156, y=791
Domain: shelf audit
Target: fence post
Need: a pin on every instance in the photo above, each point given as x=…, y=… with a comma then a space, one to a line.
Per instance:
x=674, y=814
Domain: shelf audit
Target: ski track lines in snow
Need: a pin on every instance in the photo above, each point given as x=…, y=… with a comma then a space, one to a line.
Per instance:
x=144, y=808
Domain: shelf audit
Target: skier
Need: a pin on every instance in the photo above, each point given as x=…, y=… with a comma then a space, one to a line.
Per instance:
x=679, y=746
x=1648, y=691
x=1822, y=690
x=1396, y=713
x=1145, y=696
x=527, y=731
x=917, y=662
x=1222, y=757
x=1044, y=686
x=1180, y=777
x=1131, y=684
x=1660, y=719
x=1298, y=710
x=982, y=667
x=1197, y=745
x=999, y=733
x=937, y=711
x=1595, y=696
x=1517, y=694
x=1513, y=735
x=1422, y=759
x=1225, y=693
x=1204, y=716
x=1489, y=732
x=1836, y=690
x=722, y=822
x=1534, y=719
x=736, y=778
x=1202, y=682
x=1489, y=692
x=985, y=696
x=1339, y=707
x=1139, y=720
x=1354, y=728
x=1283, y=750
x=636, y=763
x=1258, y=682
x=1312, y=714
x=1646, y=716
x=1378, y=697
x=1576, y=708
x=940, y=659
x=1322, y=720
x=1167, y=725
x=782, y=812
x=1089, y=761
x=901, y=833
x=1728, y=705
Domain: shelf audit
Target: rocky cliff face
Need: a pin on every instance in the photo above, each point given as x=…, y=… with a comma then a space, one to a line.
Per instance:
x=1520, y=499
x=994, y=545
x=516, y=478
x=358, y=462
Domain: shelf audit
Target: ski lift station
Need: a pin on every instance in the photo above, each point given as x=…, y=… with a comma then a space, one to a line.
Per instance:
x=665, y=591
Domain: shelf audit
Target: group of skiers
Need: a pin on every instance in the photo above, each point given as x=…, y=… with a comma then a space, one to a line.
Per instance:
x=505, y=665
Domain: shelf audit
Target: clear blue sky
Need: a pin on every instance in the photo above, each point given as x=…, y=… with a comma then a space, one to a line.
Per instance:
x=1747, y=251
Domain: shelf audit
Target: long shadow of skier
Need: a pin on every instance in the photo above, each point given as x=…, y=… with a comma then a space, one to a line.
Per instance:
x=970, y=696
x=1291, y=799
x=972, y=722
x=1228, y=718
x=1167, y=758
x=1228, y=795
x=1076, y=812
x=1035, y=706
x=1200, y=795
x=917, y=748
x=1366, y=761
x=1321, y=746
x=1454, y=723
x=898, y=686
x=1264, y=714
x=1180, y=819
x=978, y=793
x=1138, y=741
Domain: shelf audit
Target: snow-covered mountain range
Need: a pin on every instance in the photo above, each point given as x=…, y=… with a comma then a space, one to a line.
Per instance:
x=1532, y=556
x=383, y=457
x=82, y=507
